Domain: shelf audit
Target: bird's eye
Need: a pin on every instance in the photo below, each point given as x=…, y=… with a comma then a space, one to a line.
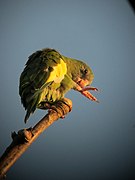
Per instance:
x=85, y=71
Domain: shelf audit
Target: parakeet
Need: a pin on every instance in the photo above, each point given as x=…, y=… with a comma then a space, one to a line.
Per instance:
x=48, y=76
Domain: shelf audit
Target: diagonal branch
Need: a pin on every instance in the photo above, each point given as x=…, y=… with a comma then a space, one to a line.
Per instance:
x=24, y=138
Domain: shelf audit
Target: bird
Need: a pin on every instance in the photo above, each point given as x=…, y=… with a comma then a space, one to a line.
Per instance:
x=48, y=76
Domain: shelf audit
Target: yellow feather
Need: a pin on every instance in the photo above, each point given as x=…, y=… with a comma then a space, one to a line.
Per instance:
x=58, y=73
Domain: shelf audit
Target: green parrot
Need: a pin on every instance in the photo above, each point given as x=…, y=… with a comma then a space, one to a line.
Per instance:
x=48, y=76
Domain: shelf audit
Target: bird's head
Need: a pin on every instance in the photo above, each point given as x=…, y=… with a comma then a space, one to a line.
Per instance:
x=82, y=74
x=85, y=75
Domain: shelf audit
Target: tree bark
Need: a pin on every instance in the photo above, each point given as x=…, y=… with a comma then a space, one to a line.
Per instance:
x=25, y=137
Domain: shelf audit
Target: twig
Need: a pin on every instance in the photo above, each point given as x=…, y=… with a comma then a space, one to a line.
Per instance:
x=24, y=138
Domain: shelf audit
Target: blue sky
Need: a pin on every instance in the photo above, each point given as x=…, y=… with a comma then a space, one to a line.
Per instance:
x=95, y=141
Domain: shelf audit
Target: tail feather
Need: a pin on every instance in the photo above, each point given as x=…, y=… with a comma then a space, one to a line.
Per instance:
x=28, y=113
x=32, y=106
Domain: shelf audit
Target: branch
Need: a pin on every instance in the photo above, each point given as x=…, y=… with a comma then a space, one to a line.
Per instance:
x=25, y=137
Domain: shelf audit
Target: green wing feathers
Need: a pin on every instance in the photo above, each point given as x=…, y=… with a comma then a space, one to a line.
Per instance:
x=37, y=75
x=48, y=76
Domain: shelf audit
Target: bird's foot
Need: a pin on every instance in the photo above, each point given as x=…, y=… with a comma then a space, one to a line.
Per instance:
x=87, y=88
x=85, y=91
x=58, y=106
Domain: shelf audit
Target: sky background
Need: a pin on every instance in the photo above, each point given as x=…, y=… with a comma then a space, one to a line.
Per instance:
x=94, y=141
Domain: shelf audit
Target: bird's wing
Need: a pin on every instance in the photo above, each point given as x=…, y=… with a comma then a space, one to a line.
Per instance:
x=42, y=68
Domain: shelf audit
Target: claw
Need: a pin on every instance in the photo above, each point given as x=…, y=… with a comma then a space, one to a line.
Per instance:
x=59, y=105
x=87, y=88
x=84, y=91
x=89, y=95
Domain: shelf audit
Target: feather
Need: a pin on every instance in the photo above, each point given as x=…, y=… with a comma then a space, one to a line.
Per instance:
x=42, y=69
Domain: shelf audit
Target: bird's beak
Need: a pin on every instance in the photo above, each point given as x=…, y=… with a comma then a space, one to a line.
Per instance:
x=82, y=82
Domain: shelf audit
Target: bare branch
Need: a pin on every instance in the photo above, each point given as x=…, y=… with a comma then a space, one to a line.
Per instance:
x=25, y=137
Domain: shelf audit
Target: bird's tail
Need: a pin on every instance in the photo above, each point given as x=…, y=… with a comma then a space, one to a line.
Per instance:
x=28, y=113
x=32, y=106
